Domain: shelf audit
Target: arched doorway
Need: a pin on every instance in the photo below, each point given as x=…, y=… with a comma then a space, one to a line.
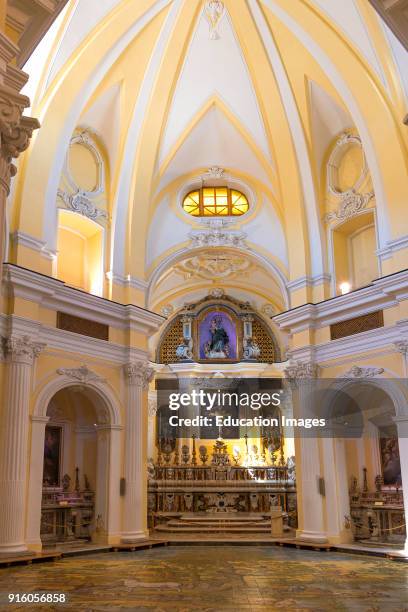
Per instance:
x=368, y=464
x=74, y=467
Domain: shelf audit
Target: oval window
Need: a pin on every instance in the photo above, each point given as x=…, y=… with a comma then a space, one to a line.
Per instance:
x=215, y=202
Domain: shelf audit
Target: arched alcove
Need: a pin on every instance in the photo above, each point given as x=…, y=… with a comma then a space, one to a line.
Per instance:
x=74, y=465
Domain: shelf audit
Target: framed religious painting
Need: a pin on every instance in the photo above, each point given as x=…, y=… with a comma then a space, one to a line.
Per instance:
x=52, y=456
x=217, y=336
x=390, y=462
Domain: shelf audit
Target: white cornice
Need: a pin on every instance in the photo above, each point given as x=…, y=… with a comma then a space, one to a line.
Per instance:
x=391, y=247
x=373, y=340
x=308, y=281
x=25, y=240
x=56, y=295
x=382, y=293
x=68, y=342
x=128, y=281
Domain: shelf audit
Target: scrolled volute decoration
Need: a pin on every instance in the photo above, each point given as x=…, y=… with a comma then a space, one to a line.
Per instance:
x=351, y=200
x=139, y=373
x=351, y=203
x=217, y=238
x=82, y=374
x=15, y=132
x=299, y=370
x=79, y=202
x=22, y=349
x=215, y=172
x=362, y=372
x=402, y=347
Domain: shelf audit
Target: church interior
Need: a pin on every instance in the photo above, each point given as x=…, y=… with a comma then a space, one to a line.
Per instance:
x=194, y=195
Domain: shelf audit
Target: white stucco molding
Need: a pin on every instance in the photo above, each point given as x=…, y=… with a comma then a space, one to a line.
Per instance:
x=382, y=339
x=342, y=87
x=109, y=401
x=392, y=387
x=183, y=253
x=380, y=294
x=392, y=247
x=127, y=281
x=308, y=281
x=56, y=295
x=25, y=240
x=80, y=347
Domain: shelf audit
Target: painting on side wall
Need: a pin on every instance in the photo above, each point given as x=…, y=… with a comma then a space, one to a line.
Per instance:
x=52, y=456
x=390, y=461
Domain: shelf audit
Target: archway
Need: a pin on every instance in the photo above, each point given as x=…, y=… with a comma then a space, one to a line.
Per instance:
x=74, y=465
x=366, y=464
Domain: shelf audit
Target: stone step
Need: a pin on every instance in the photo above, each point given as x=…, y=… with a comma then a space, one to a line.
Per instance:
x=213, y=529
x=222, y=519
x=220, y=524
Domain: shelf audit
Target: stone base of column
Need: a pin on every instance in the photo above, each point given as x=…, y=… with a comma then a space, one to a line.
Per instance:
x=344, y=537
x=34, y=545
x=314, y=537
x=13, y=549
x=399, y=554
x=134, y=537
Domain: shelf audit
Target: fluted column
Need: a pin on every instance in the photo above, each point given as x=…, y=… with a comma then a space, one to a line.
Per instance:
x=402, y=347
x=308, y=469
x=151, y=429
x=138, y=375
x=33, y=537
x=20, y=354
x=402, y=427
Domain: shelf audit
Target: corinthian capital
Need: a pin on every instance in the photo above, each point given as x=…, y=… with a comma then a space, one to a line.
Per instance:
x=402, y=346
x=299, y=369
x=21, y=349
x=139, y=373
x=15, y=131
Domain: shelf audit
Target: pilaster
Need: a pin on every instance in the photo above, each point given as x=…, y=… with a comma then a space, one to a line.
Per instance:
x=20, y=353
x=33, y=537
x=138, y=374
x=402, y=428
x=308, y=470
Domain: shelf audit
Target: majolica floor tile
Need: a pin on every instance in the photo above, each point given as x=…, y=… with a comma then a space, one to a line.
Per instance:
x=184, y=578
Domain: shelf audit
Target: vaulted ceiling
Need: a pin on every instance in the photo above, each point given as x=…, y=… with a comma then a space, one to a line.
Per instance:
x=258, y=88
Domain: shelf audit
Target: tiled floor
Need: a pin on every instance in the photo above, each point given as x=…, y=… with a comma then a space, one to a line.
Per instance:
x=215, y=578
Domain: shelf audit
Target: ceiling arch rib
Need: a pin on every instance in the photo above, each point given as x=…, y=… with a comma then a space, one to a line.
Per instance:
x=60, y=110
x=203, y=76
x=126, y=176
x=76, y=30
x=216, y=137
x=352, y=78
x=280, y=137
x=347, y=17
x=147, y=149
x=327, y=119
x=317, y=255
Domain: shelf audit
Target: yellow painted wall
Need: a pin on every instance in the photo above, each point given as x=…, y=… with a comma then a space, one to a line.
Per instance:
x=80, y=252
x=71, y=257
x=83, y=167
x=363, y=259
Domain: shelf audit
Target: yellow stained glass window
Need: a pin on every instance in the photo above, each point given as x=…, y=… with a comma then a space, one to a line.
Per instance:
x=215, y=202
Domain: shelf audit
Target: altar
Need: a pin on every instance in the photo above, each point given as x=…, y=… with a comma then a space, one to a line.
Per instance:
x=190, y=498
